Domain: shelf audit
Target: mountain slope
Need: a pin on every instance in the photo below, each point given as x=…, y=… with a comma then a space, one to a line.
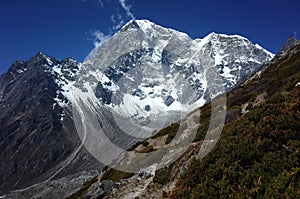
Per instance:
x=37, y=135
x=257, y=155
x=258, y=152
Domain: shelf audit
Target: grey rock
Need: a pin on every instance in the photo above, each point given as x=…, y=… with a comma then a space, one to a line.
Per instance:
x=99, y=189
x=291, y=41
x=38, y=136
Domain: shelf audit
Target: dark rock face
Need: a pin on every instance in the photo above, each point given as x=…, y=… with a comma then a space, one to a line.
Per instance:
x=103, y=94
x=34, y=139
x=147, y=108
x=169, y=100
x=289, y=44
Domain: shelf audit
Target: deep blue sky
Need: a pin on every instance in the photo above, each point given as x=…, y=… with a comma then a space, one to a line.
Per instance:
x=63, y=28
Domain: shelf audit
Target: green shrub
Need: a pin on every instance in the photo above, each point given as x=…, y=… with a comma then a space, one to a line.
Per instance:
x=147, y=149
x=115, y=175
x=162, y=175
x=167, y=130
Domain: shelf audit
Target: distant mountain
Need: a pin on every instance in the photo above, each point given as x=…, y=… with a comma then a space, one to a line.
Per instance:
x=289, y=44
x=145, y=72
x=257, y=155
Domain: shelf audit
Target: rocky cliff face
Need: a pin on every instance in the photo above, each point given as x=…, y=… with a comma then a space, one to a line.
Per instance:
x=37, y=134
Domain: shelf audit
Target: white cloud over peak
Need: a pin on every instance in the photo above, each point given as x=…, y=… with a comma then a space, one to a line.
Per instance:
x=126, y=8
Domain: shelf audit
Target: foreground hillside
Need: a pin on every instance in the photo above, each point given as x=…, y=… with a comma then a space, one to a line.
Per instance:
x=258, y=153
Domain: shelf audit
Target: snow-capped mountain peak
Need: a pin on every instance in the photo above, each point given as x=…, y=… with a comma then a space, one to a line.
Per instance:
x=146, y=71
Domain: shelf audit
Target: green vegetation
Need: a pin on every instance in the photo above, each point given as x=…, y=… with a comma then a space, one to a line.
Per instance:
x=258, y=153
x=115, y=175
x=147, y=149
x=205, y=113
x=134, y=146
x=83, y=190
x=173, y=128
x=162, y=175
x=145, y=143
x=170, y=130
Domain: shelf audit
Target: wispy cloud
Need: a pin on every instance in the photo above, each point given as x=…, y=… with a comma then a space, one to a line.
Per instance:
x=294, y=32
x=126, y=8
x=99, y=1
x=99, y=40
x=118, y=21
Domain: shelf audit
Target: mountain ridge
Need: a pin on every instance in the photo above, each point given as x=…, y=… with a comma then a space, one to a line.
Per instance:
x=166, y=55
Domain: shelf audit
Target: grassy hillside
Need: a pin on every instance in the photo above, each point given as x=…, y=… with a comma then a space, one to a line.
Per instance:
x=258, y=153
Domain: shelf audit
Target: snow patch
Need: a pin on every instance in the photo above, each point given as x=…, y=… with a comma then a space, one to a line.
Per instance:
x=271, y=55
x=21, y=70
x=48, y=60
x=202, y=42
x=219, y=59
